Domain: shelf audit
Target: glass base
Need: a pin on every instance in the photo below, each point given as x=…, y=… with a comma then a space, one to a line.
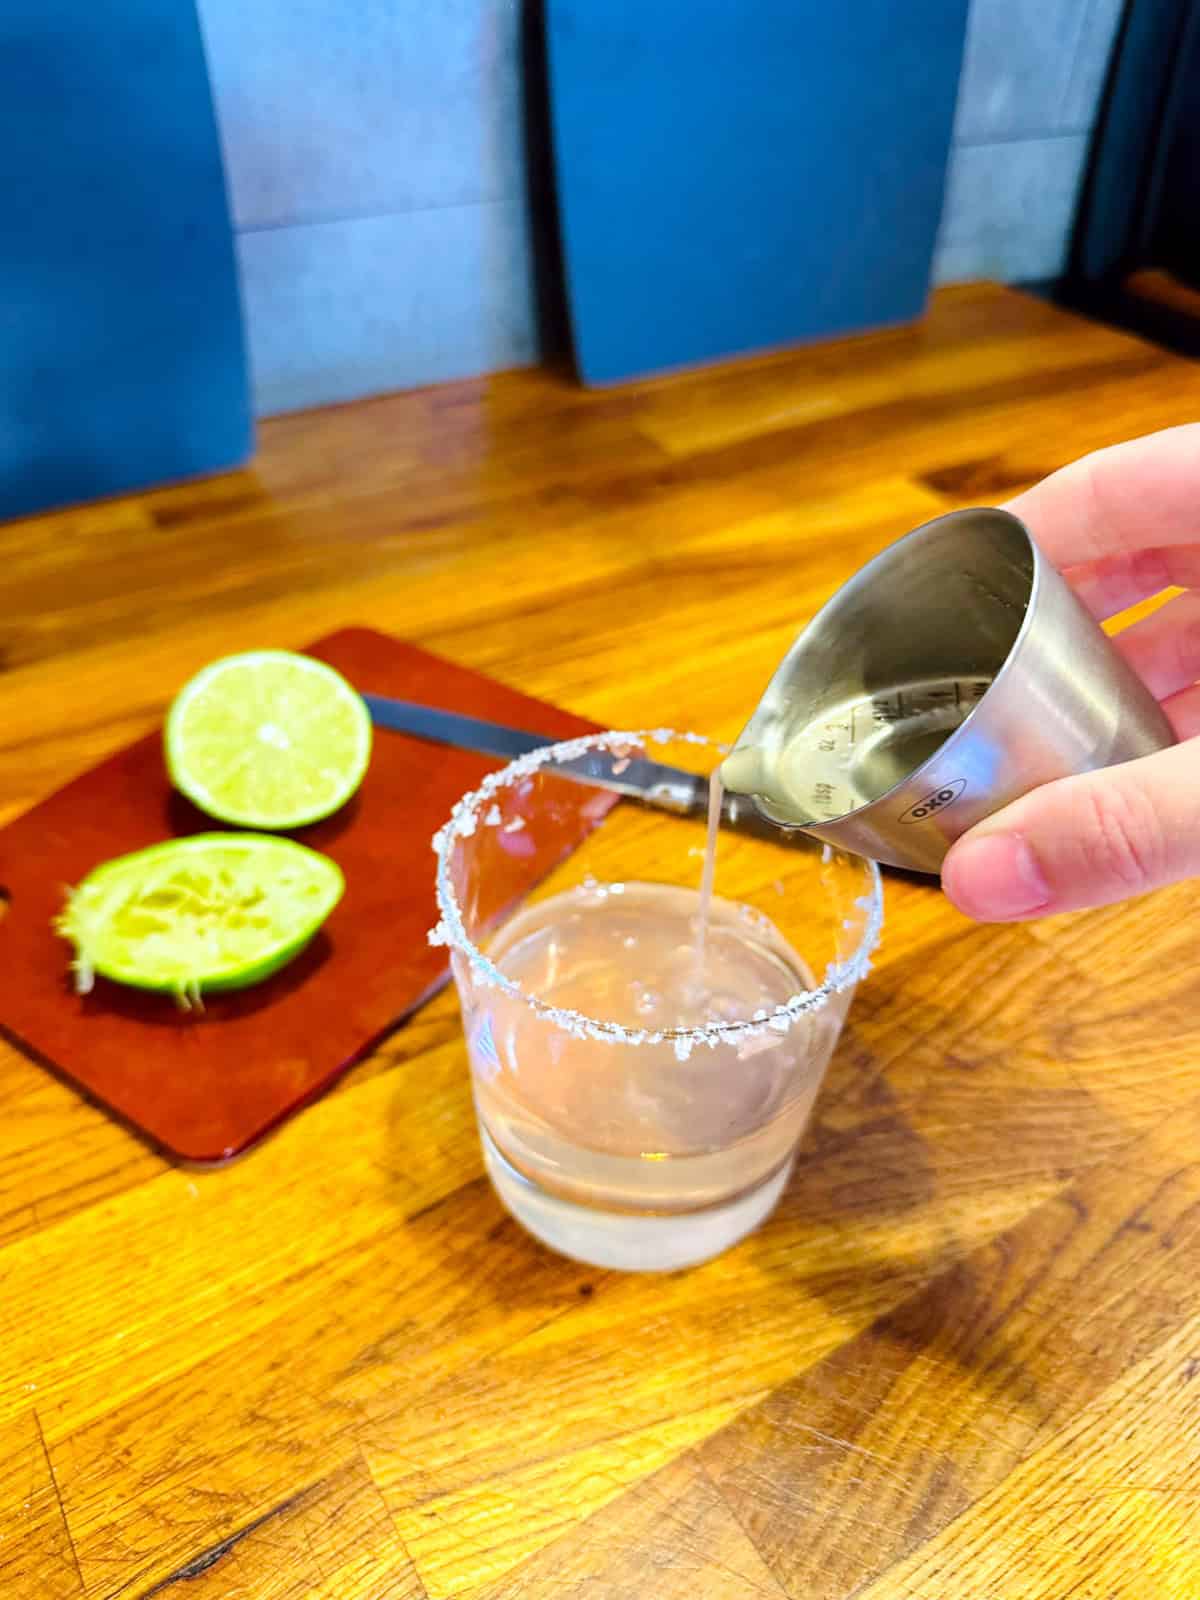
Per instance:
x=626, y=1242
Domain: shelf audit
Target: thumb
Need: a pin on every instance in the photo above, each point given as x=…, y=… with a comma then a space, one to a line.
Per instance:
x=1084, y=841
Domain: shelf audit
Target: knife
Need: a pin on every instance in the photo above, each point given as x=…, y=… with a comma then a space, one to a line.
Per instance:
x=651, y=782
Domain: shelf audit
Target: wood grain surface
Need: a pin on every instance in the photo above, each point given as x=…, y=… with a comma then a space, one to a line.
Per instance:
x=963, y=1358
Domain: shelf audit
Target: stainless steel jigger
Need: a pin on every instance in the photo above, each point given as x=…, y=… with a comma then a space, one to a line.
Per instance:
x=959, y=670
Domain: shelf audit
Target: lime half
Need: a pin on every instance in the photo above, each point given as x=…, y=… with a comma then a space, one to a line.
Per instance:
x=216, y=911
x=268, y=740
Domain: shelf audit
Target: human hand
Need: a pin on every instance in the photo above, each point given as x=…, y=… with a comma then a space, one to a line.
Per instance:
x=1122, y=525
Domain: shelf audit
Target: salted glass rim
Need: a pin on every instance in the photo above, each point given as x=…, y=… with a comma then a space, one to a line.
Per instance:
x=465, y=819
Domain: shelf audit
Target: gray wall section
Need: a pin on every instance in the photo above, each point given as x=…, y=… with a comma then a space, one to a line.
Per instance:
x=375, y=160
x=1032, y=79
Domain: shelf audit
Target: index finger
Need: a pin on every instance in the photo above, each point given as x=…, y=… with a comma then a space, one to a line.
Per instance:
x=1142, y=495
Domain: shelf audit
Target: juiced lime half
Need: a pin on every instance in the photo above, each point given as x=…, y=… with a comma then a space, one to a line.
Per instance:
x=216, y=911
x=268, y=740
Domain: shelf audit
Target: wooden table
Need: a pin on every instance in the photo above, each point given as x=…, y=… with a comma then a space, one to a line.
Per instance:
x=963, y=1360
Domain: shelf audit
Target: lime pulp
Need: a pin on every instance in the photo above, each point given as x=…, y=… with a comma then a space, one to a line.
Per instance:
x=215, y=911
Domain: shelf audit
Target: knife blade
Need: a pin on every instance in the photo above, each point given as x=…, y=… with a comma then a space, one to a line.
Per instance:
x=652, y=782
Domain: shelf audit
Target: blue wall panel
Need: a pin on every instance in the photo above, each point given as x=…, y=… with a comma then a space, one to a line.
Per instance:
x=732, y=177
x=121, y=354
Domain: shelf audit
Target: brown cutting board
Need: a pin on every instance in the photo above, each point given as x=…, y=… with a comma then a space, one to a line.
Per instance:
x=205, y=1086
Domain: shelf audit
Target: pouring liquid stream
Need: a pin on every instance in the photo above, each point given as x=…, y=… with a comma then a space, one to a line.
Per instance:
x=716, y=794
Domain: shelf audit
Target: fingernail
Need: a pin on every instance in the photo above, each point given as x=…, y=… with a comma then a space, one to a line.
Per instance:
x=996, y=878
